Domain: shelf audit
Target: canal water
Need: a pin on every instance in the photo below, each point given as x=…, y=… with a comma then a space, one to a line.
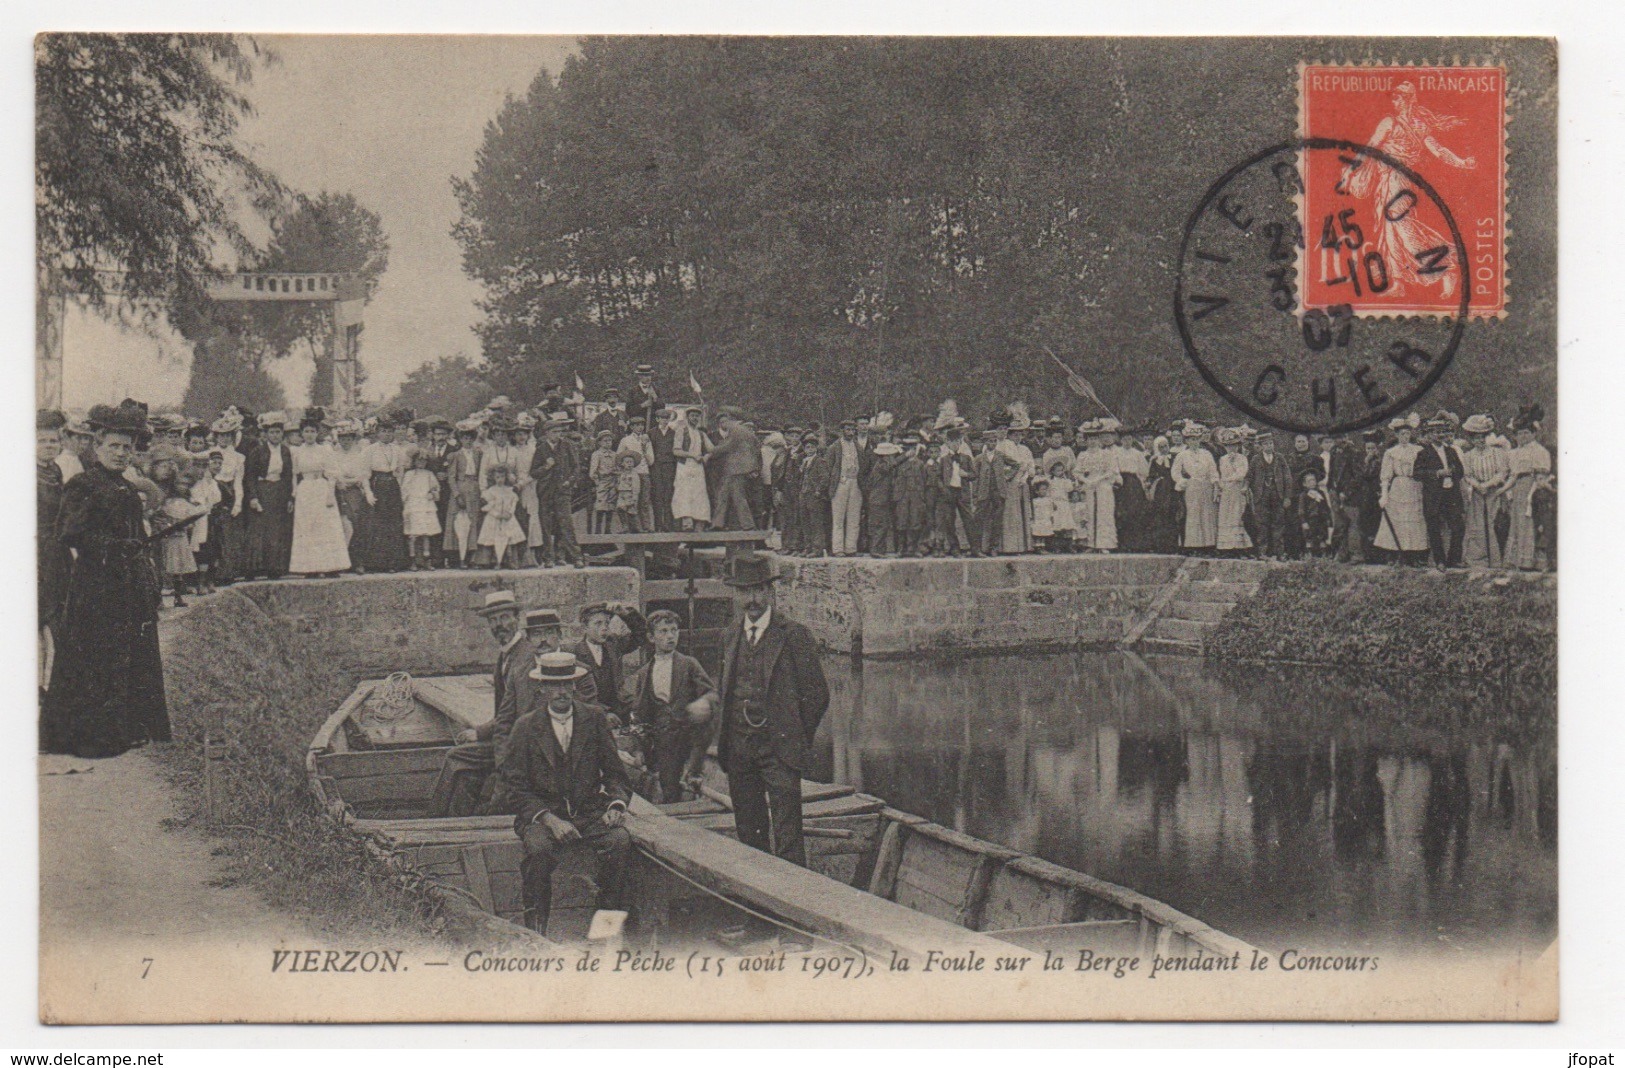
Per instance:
x=1292, y=807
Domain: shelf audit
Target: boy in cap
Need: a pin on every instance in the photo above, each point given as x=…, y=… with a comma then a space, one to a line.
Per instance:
x=672, y=701
x=604, y=652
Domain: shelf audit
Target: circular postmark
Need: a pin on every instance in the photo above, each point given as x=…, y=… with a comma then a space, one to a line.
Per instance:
x=1366, y=224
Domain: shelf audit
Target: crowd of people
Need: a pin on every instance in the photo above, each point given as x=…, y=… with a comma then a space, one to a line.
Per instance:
x=244, y=496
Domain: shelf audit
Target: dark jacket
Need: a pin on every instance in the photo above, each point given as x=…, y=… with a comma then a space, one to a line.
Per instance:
x=738, y=454
x=662, y=441
x=797, y=695
x=689, y=682
x=558, y=477
x=255, y=465
x=518, y=694
x=1271, y=482
x=1437, y=498
x=833, y=455
x=609, y=678
x=577, y=785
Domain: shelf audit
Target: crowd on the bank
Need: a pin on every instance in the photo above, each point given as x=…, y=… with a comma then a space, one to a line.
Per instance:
x=246, y=496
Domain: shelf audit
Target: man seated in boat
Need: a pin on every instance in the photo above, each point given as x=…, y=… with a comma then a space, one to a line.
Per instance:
x=563, y=772
x=601, y=650
x=463, y=788
x=671, y=702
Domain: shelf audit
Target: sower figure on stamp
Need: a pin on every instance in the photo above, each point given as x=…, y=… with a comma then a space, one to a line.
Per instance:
x=773, y=697
x=463, y=787
x=564, y=774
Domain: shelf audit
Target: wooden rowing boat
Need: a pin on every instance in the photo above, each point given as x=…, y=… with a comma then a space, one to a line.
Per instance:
x=879, y=877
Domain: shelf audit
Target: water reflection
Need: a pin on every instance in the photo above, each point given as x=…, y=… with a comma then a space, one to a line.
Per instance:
x=1288, y=806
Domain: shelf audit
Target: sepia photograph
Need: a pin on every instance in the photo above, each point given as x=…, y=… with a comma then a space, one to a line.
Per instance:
x=796, y=528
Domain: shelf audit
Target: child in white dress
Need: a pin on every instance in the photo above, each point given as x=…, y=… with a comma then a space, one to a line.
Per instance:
x=499, y=529
x=420, y=498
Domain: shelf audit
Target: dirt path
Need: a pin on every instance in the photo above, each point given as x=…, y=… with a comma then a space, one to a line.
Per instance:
x=126, y=904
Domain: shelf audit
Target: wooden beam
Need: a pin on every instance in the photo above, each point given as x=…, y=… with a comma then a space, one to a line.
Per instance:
x=816, y=904
x=696, y=537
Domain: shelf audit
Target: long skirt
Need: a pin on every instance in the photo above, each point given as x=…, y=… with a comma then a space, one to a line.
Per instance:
x=1097, y=512
x=530, y=516
x=462, y=517
x=1521, y=546
x=318, y=530
x=1479, y=545
x=1201, y=515
x=1133, y=515
x=1232, y=507
x=1403, y=528
x=268, y=533
x=1016, y=519
x=379, y=543
x=228, y=536
x=352, y=501
x=107, y=681
x=1165, y=518
x=690, y=498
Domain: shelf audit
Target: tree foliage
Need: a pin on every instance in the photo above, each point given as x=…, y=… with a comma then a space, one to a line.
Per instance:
x=451, y=386
x=137, y=166
x=824, y=226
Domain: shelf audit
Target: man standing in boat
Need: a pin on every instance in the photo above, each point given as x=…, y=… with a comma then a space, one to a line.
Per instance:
x=461, y=789
x=563, y=771
x=773, y=697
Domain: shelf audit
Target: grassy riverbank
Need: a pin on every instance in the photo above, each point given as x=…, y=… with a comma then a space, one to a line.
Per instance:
x=1485, y=626
x=227, y=663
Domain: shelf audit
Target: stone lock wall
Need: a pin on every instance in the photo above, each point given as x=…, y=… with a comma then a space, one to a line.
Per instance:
x=421, y=622
x=885, y=608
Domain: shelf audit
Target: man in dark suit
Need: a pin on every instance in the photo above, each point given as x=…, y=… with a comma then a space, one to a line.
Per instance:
x=464, y=787
x=671, y=701
x=1269, y=479
x=563, y=772
x=554, y=468
x=1440, y=469
x=601, y=652
x=643, y=400
x=773, y=697
x=737, y=459
x=663, y=472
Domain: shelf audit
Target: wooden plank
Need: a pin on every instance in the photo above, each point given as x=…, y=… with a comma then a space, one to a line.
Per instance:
x=389, y=789
x=831, y=808
x=479, y=879
x=816, y=904
x=677, y=590
x=677, y=537
x=386, y=762
x=456, y=701
x=700, y=806
x=883, y=883
x=440, y=823
x=1017, y=899
x=810, y=791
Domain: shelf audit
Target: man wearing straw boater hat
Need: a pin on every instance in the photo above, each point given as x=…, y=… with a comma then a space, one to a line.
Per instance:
x=562, y=771
x=465, y=785
x=773, y=697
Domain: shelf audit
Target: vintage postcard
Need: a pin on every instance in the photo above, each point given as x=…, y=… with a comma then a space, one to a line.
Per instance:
x=796, y=528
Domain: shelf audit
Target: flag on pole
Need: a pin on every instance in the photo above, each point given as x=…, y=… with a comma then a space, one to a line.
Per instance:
x=1076, y=382
x=694, y=384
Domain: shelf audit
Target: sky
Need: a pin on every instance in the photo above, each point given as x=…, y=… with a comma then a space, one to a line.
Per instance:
x=390, y=120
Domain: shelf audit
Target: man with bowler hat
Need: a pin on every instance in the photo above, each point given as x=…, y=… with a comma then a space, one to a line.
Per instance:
x=464, y=787
x=773, y=698
x=563, y=772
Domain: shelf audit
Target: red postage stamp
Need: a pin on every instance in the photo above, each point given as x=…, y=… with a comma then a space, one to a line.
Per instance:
x=1409, y=216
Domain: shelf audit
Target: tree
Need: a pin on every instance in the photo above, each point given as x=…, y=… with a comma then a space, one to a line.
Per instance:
x=821, y=227
x=328, y=232
x=137, y=168
x=451, y=386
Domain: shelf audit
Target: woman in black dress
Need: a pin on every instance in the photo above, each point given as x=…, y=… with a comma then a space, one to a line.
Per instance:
x=107, y=684
x=267, y=502
x=51, y=556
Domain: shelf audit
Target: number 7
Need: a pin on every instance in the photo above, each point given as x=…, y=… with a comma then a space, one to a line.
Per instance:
x=146, y=966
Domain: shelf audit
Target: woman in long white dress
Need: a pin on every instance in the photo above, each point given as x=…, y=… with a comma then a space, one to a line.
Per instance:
x=1233, y=466
x=690, y=499
x=1196, y=477
x=1530, y=468
x=1097, y=474
x=319, y=544
x=1402, y=528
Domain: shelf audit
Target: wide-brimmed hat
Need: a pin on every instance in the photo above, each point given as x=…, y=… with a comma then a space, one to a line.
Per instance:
x=498, y=601
x=1227, y=435
x=1478, y=424
x=81, y=427
x=558, y=667
x=887, y=448
x=49, y=419
x=542, y=617
x=130, y=417
x=749, y=570
x=559, y=421
x=644, y=369
x=629, y=454
x=271, y=419
x=1400, y=423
